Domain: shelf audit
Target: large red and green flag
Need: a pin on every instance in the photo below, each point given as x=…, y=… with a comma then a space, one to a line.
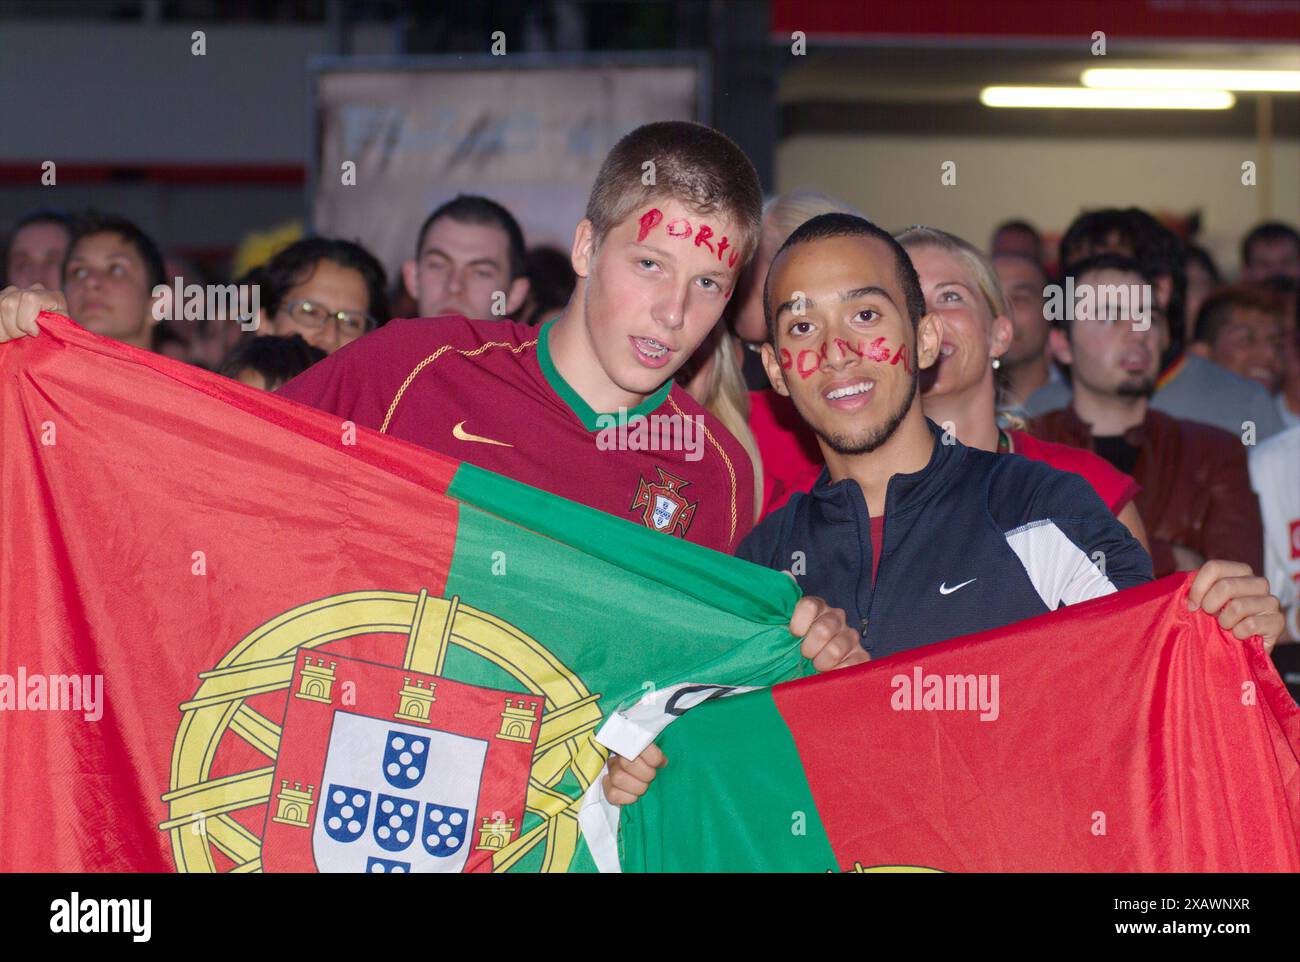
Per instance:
x=1124, y=734
x=238, y=635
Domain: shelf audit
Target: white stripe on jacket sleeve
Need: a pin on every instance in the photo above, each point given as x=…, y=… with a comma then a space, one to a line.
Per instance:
x=1060, y=571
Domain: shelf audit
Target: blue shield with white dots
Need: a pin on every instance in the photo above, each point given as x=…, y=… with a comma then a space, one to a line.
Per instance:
x=389, y=866
x=405, y=756
x=364, y=825
x=347, y=810
x=443, y=831
x=395, y=822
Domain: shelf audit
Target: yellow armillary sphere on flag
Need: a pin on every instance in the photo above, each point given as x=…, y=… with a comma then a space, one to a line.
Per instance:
x=269, y=658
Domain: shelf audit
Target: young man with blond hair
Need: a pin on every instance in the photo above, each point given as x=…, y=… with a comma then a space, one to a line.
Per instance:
x=656, y=260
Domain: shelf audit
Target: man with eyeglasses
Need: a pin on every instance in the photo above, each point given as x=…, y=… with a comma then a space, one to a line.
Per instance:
x=328, y=291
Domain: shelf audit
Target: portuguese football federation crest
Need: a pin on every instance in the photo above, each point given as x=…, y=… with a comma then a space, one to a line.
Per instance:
x=335, y=739
x=663, y=507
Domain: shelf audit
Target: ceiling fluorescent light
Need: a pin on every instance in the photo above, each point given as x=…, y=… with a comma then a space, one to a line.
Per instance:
x=1087, y=98
x=1282, y=81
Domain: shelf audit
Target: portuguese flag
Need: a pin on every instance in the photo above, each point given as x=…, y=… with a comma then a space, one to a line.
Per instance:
x=1125, y=734
x=239, y=635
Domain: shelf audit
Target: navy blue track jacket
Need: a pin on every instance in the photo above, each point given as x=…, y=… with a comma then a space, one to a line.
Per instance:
x=973, y=541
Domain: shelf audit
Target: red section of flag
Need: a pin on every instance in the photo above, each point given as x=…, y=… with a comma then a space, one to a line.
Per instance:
x=1060, y=20
x=1124, y=734
x=249, y=506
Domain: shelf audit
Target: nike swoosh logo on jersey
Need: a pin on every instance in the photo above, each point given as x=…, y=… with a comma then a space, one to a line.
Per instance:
x=945, y=590
x=460, y=434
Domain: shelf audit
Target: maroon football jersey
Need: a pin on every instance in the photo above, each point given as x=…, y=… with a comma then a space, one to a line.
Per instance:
x=488, y=393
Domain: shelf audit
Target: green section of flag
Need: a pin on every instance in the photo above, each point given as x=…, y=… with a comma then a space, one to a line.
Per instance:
x=743, y=808
x=748, y=591
x=617, y=610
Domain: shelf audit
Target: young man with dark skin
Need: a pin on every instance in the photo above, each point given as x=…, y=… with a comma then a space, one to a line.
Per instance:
x=848, y=339
x=470, y=261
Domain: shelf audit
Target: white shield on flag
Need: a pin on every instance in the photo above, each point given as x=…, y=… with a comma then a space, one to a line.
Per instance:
x=665, y=510
x=397, y=798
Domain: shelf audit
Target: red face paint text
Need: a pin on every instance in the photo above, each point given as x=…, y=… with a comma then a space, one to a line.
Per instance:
x=683, y=229
x=807, y=361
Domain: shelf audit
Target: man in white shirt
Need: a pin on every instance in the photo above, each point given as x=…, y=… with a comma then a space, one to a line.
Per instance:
x=1274, y=465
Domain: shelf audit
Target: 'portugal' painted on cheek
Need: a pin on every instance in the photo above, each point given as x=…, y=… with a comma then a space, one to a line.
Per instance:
x=807, y=361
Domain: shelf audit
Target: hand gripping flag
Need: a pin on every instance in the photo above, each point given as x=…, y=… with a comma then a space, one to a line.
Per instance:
x=1125, y=734
x=238, y=635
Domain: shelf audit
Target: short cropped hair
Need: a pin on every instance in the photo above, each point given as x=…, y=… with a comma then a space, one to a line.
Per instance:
x=473, y=209
x=849, y=225
x=1216, y=313
x=94, y=222
x=694, y=165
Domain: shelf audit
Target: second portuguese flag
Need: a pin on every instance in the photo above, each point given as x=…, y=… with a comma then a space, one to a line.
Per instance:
x=238, y=635
x=1125, y=734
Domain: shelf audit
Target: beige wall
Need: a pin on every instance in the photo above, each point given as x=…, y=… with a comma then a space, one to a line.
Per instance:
x=895, y=181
